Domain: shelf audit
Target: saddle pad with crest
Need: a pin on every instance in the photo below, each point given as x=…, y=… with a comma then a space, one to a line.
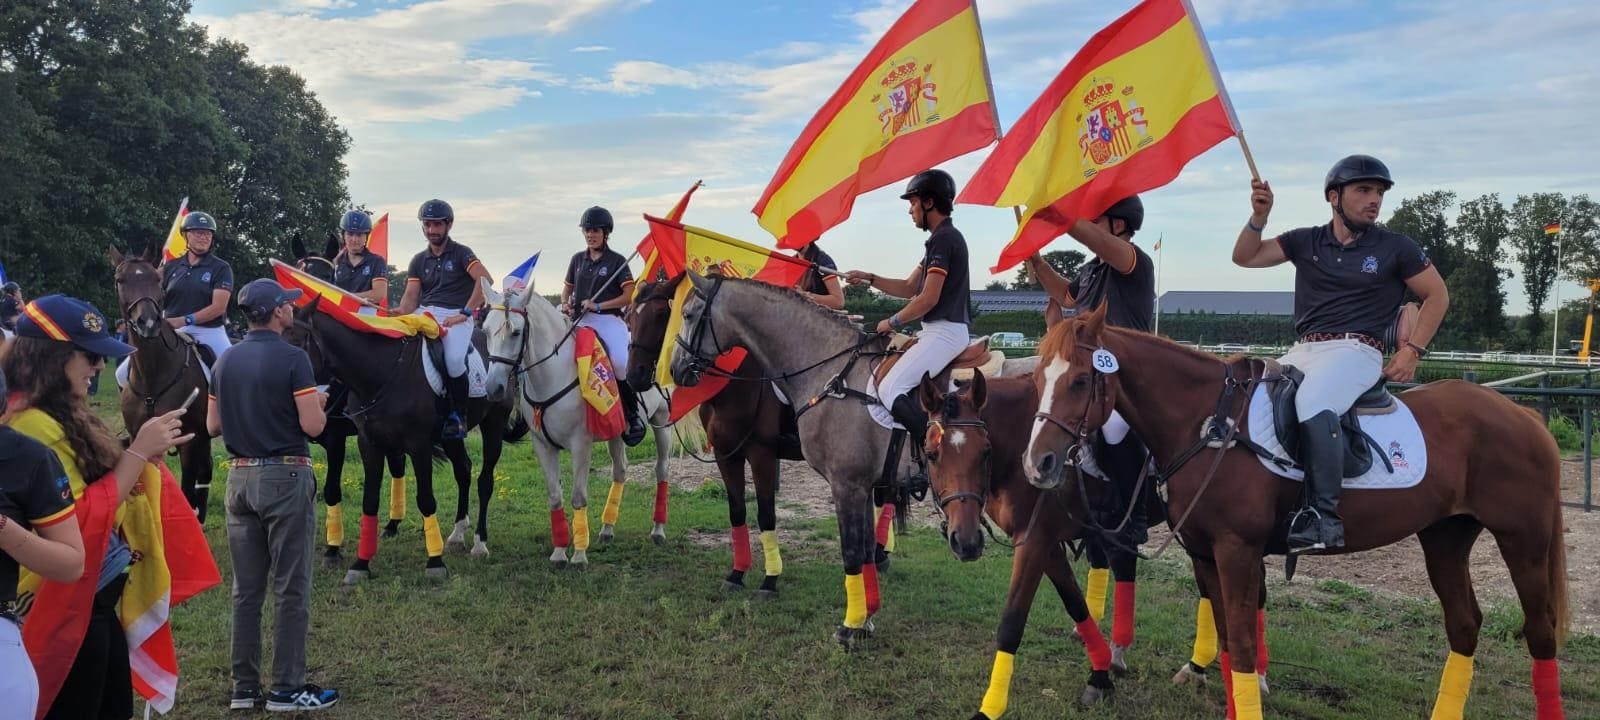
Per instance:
x=477, y=376
x=1397, y=433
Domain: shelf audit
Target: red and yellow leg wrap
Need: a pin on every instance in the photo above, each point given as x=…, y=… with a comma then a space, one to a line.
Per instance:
x=855, y=601
x=431, y=537
x=608, y=516
x=1095, y=645
x=1453, y=687
x=559, y=536
x=1246, y=696
x=1547, y=691
x=1122, y=621
x=367, y=546
x=335, y=525
x=580, y=529
x=885, y=529
x=397, y=499
x=660, y=516
x=769, y=552
x=869, y=575
x=1227, y=685
x=740, y=536
x=1095, y=594
x=1261, y=641
x=1205, y=635
x=999, y=692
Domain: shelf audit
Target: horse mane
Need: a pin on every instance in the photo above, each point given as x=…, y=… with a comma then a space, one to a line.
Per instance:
x=1058, y=342
x=775, y=292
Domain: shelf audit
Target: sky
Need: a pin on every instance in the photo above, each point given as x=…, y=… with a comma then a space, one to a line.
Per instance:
x=523, y=113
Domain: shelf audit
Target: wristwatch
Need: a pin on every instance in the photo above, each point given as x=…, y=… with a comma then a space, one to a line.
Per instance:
x=188, y=319
x=1421, y=351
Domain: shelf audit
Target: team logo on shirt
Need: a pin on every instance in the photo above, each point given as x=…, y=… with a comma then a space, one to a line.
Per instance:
x=206, y=277
x=603, y=271
x=64, y=487
x=449, y=265
x=366, y=270
x=92, y=323
x=1369, y=265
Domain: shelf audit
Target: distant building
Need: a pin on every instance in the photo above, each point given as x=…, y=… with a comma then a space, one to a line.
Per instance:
x=1227, y=302
x=993, y=301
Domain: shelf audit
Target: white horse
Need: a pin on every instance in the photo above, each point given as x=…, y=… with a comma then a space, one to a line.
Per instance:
x=531, y=353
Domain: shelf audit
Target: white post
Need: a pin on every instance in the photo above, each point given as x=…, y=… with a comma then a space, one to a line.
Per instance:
x=1555, y=319
x=1160, y=248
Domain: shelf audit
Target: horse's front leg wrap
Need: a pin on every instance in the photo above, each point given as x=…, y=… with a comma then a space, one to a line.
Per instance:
x=769, y=552
x=1246, y=696
x=1122, y=621
x=998, y=695
x=580, y=529
x=559, y=536
x=660, y=516
x=1205, y=635
x=1261, y=642
x=367, y=546
x=739, y=535
x=1095, y=595
x=431, y=536
x=855, y=602
x=1453, y=687
x=608, y=516
x=335, y=525
x=869, y=577
x=397, y=499
x=1547, y=690
x=1095, y=645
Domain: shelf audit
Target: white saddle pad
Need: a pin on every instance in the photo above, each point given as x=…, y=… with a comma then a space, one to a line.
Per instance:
x=477, y=376
x=1397, y=433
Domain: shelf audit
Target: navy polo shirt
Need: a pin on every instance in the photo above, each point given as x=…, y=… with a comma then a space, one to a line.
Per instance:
x=34, y=492
x=1355, y=288
x=255, y=384
x=1130, y=298
x=586, y=276
x=358, y=278
x=814, y=281
x=444, y=277
x=946, y=252
x=189, y=287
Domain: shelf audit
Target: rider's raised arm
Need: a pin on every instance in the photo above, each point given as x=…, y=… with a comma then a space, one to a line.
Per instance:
x=1250, y=250
x=1112, y=250
x=1056, y=287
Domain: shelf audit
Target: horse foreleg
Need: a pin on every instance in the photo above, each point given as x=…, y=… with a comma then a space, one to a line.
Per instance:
x=732, y=471
x=619, y=476
x=397, y=491
x=428, y=507
x=1088, y=631
x=852, y=505
x=1239, y=571
x=1124, y=569
x=1447, y=548
x=1027, y=566
x=582, y=452
x=372, y=480
x=333, y=495
x=550, y=463
x=663, y=432
x=195, y=463
x=461, y=471
x=764, y=470
x=493, y=443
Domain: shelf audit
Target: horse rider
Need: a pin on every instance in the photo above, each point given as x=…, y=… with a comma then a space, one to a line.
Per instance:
x=1350, y=278
x=940, y=299
x=598, y=287
x=817, y=286
x=197, y=286
x=1122, y=276
x=356, y=269
x=443, y=281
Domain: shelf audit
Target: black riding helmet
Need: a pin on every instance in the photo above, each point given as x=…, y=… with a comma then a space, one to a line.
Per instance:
x=597, y=217
x=1130, y=210
x=935, y=185
x=436, y=210
x=1355, y=168
x=199, y=221
x=355, y=221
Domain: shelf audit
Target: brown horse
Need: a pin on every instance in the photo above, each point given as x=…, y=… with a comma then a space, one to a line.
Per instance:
x=164, y=370
x=1491, y=464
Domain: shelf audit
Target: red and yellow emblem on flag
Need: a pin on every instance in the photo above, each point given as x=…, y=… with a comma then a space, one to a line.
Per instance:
x=597, y=383
x=920, y=97
x=1552, y=228
x=647, y=246
x=1135, y=105
x=176, y=246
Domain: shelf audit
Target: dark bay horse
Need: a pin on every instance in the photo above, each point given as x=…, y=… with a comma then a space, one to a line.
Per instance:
x=744, y=425
x=163, y=371
x=1491, y=465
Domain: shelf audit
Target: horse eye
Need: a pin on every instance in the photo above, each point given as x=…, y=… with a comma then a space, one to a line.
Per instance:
x=1080, y=381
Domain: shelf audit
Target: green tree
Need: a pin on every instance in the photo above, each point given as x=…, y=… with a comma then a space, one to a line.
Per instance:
x=1580, y=239
x=1477, y=303
x=995, y=285
x=1065, y=262
x=1424, y=219
x=1536, y=252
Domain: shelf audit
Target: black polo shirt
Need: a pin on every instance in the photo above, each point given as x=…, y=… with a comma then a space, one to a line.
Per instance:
x=814, y=281
x=586, y=276
x=189, y=287
x=358, y=278
x=1349, y=289
x=946, y=252
x=444, y=278
x=34, y=492
x=1130, y=297
x=255, y=384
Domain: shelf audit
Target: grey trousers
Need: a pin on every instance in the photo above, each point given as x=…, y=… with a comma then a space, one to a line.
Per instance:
x=271, y=529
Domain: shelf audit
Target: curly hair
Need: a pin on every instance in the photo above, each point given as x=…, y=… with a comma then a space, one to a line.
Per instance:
x=33, y=368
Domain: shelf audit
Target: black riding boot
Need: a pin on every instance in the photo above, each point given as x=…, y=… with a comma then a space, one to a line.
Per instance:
x=1317, y=526
x=1124, y=462
x=455, y=424
x=910, y=414
x=630, y=410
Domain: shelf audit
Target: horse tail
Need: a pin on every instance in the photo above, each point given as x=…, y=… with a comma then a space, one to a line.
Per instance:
x=1558, y=576
x=517, y=429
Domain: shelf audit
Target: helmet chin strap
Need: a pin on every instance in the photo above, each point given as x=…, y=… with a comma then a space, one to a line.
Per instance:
x=1357, y=229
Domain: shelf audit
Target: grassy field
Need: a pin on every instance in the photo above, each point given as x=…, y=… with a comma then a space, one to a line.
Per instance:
x=645, y=632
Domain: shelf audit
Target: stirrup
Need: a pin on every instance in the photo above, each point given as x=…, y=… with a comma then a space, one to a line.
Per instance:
x=454, y=428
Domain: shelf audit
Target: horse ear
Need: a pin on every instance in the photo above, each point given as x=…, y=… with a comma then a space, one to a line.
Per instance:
x=330, y=249
x=114, y=255
x=1094, y=323
x=297, y=246
x=979, y=390
x=489, y=293
x=930, y=395
x=701, y=282
x=527, y=295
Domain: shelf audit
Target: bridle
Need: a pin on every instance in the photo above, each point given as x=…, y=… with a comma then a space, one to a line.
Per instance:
x=156, y=307
x=1081, y=433
x=388, y=382
x=307, y=260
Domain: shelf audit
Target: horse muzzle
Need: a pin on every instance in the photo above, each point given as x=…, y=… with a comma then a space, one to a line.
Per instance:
x=1047, y=469
x=966, y=543
x=686, y=374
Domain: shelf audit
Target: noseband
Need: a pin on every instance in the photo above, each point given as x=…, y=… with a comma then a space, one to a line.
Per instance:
x=982, y=496
x=1082, y=432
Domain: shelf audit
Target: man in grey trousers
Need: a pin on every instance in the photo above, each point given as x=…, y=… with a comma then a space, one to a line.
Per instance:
x=264, y=404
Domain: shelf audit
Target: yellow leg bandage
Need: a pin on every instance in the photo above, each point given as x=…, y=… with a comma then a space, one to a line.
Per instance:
x=855, y=601
x=397, y=499
x=769, y=550
x=1453, y=688
x=995, y=699
x=431, y=537
x=613, y=504
x=1205, y=635
x=580, y=529
x=1246, y=696
x=1099, y=578
x=335, y=525
x=888, y=541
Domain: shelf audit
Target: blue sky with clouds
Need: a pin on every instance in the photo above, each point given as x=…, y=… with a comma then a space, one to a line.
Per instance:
x=522, y=113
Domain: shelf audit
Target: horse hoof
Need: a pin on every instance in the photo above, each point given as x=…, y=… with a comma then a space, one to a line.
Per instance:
x=1092, y=695
x=437, y=573
x=851, y=637
x=455, y=545
x=559, y=557
x=883, y=561
x=1264, y=689
x=333, y=558
x=391, y=529
x=1188, y=675
x=729, y=586
x=480, y=549
x=580, y=557
x=1119, y=660
x=658, y=534
x=768, y=595
x=607, y=533
x=353, y=578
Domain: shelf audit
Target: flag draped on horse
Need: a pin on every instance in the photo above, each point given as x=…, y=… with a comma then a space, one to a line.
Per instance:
x=343, y=306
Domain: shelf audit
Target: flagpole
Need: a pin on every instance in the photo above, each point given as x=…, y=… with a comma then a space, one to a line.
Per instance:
x=1222, y=90
x=1555, y=319
x=1161, y=250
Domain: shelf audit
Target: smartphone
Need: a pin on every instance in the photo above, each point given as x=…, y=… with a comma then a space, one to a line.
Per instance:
x=195, y=393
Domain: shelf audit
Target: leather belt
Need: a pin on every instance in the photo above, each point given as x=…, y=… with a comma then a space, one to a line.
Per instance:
x=1362, y=338
x=261, y=462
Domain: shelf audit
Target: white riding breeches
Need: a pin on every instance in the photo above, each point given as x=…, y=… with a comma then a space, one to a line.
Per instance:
x=1337, y=372
x=457, y=339
x=939, y=343
x=18, y=683
x=215, y=338
x=614, y=335
x=1115, y=429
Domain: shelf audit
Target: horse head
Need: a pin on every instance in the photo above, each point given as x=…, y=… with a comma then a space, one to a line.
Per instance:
x=521, y=331
x=315, y=264
x=302, y=335
x=698, y=344
x=958, y=451
x=647, y=325
x=139, y=292
x=1077, y=386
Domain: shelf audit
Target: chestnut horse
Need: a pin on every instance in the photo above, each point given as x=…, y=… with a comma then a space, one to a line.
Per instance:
x=1491, y=465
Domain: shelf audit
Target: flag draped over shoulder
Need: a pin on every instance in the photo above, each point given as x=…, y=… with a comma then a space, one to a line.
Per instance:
x=175, y=245
x=684, y=248
x=920, y=97
x=647, y=246
x=1134, y=106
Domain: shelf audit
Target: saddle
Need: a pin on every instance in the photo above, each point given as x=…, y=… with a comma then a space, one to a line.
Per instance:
x=208, y=357
x=1377, y=400
x=977, y=355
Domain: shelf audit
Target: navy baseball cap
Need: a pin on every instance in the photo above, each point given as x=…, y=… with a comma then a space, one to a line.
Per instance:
x=261, y=297
x=70, y=320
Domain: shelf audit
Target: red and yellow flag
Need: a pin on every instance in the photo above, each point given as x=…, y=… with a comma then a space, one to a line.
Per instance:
x=310, y=287
x=647, y=246
x=598, y=386
x=920, y=97
x=378, y=241
x=1552, y=228
x=176, y=246
x=1133, y=107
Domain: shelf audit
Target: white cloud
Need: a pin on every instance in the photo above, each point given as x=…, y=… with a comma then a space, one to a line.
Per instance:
x=591, y=49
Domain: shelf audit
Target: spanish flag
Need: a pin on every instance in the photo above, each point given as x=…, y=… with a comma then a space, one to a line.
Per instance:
x=344, y=307
x=647, y=246
x=683, y=247
x=1552, y=228
x=176, y=246
x=920, y=97
x=1133, y=107
x=378, y=241
x=311, y=287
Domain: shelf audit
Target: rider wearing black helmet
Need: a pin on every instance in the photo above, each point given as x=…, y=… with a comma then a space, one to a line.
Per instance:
x=197, y=285
x=444, y=281
x=1350, y=278
x=357, y=270
x=598, y=287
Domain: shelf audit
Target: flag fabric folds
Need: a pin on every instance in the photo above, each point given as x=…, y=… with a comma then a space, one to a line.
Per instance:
x=344, y=307
x=522, y=275
x=921, y=96
x=175, y=245
x=598, y=386
x=647, y=246
x=378, y=241
x=1134, y=106
x=1552, y=228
